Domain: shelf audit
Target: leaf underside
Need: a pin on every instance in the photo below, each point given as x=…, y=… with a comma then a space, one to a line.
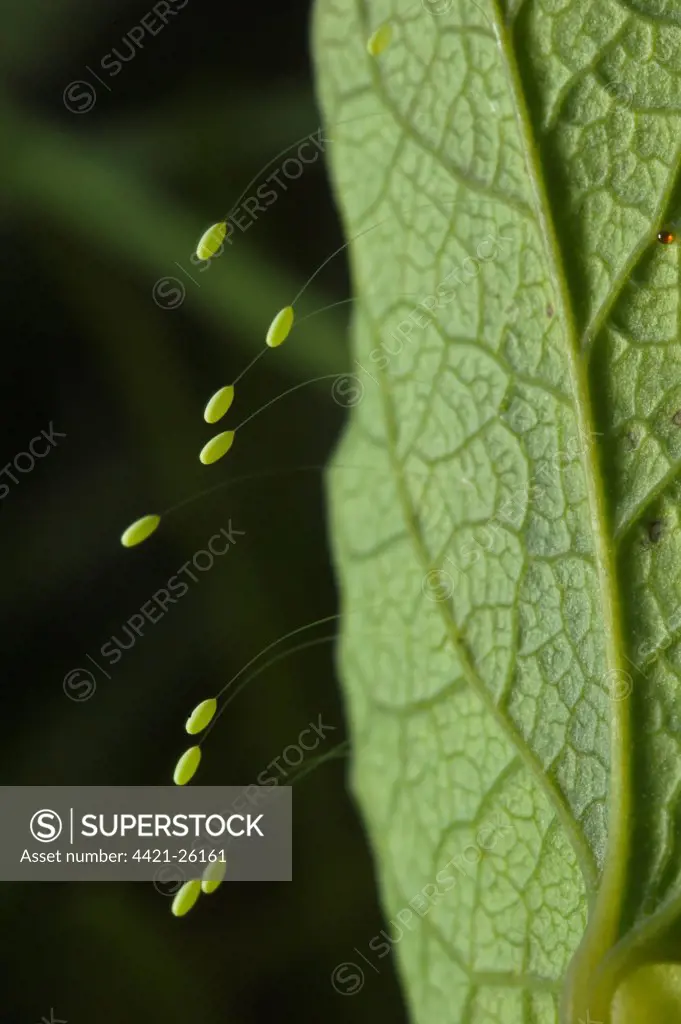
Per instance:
x=504, y=502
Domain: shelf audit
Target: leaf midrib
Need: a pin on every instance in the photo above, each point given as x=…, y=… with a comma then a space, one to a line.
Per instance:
x=603, y=927
x=602, y=931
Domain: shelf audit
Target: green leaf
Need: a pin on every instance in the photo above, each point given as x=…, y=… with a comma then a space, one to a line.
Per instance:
x=505, y=499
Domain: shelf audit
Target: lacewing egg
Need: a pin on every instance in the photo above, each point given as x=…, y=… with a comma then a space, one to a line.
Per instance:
x=216, y=447
x=380, y=40
x=139, y=531
x=219, y=404
x=213, y=876
x=665, y=237
x=280, y=328
x=201, y=716
x=211, y=240
x=186, y=897
x=186, y=766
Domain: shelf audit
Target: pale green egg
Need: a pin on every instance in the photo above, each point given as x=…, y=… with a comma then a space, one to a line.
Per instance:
x=185, y=769
x=139, y=531
x=211, y=240
x=280, y=328
x=213, y=876
x=201, y=716
x=380, y=40
x=186, y=897
x=216, y=447
x=219, y=404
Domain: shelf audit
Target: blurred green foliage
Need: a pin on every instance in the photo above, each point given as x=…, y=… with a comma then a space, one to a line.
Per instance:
x=97, y=207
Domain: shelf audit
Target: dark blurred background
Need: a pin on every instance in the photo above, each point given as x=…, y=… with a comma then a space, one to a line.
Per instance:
x=109, y=180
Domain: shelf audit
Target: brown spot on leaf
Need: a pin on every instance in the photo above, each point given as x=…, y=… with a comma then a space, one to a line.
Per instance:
x=676, y=418
x=549, y=310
